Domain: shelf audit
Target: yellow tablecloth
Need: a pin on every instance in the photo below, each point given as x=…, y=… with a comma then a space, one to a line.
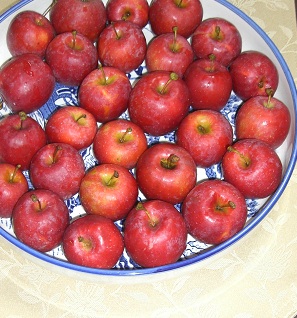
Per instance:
x=256, y=277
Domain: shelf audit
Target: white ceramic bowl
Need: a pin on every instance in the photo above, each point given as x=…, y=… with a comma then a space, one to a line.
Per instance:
x=253, y=38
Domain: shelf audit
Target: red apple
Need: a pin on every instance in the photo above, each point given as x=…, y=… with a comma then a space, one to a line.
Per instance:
x=219, y=37
x=39, y=219
x=169, y=52
x=205, y=134
x=119, y=142
x=264, y=118
x=253, y=167
x=166, y=14
x=158, y=102
x=26, y=82
x=86, y=17
x=214, y=211
x=71, y=125
x=155, y=234
x=252, y=74
x=209, y=84
x=57, y=167
x=13, y=185
x=21, y=138
x=122, y=44
x=108, y=190
x=71, y=56
x=93, y=241
x=105, y=93
x=29, y=32
x=166, y=172
x=135, y=11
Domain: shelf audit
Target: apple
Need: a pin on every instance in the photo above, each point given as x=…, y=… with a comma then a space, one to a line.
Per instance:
x=155, y=233
x=57, y=167
x=209, y=83
x=86, y=17
x=214, y=211
x=205, y=134
x=71, y=56
x=29, y=32
x=93, y=241
x=219, y=37
x=13, y=185
x=26, y=82
x=167, y=172
x=264, y=118
x=39, y=219
x=21, y=138
x=253, y=167
x=71, y=125
x=169, y=52
x=119, y=142
x=108, y=190
x=184, y=14
x=135, y=11
x=105, y=93
x=252, y=74
x=122, y=44
x=158, y=102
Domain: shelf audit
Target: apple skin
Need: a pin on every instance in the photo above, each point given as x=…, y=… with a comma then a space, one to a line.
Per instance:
x=71, y=125
x=40, y=224
x=219, y=37
x=21, y=138
x=166, y=14
x=122, y=44
x=93, y=241
x=174, y=173
x=13, y=185
x=156, y=110
x=71, y=56
x=103, y=193
x=86, y=17
x=105, y=93
x=29, y=32
x=119, y=142
x=135, y=11
x=253, y=167
x=264, y=118
x=169, y=52
x=214, y=211
x=252, y=74
x=205, y=134
x=209, y=83
x=26, y=82
x=57, y=167
x=155, y=234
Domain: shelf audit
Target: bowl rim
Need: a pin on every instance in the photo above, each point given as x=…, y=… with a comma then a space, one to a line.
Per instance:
x=207, y=253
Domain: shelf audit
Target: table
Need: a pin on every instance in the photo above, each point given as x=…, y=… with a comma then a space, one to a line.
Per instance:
x=256, y=277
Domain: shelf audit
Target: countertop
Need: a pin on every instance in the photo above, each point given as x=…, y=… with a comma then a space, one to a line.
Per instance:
x=255, y=277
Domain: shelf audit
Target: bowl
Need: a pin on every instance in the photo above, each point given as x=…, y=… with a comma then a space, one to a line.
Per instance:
x=254, y=38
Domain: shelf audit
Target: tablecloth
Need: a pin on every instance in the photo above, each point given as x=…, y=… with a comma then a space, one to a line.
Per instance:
x=255, y=277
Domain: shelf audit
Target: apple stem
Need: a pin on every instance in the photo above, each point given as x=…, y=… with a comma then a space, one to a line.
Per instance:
x=74, y=33
x=230, y=204
x=170, y=162
x=115, y=31
x=217, y=32
x=35, y=199
x=126, y=15
x=87, y=244
x=49, y=8
x=23, y=116
x=57, y=149
x=122, y=139
x=111, y=180
x=174, y=47
x=12, y=176
x=140, y=206
x=245, y=159
x=180, y=3
x=80, y=117
x=103, y=74
x=270, y=93
x=202, y=130
x=173, y=77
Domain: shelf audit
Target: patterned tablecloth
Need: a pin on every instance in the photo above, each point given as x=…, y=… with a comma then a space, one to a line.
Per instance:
x=256, y=277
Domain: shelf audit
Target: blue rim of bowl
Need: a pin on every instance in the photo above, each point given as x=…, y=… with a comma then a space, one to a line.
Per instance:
x=208, y=252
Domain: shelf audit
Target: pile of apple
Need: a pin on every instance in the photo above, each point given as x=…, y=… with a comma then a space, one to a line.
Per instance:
x=193, y=66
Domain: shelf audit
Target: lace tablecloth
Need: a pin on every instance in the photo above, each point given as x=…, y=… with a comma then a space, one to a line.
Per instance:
x=256, y=277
